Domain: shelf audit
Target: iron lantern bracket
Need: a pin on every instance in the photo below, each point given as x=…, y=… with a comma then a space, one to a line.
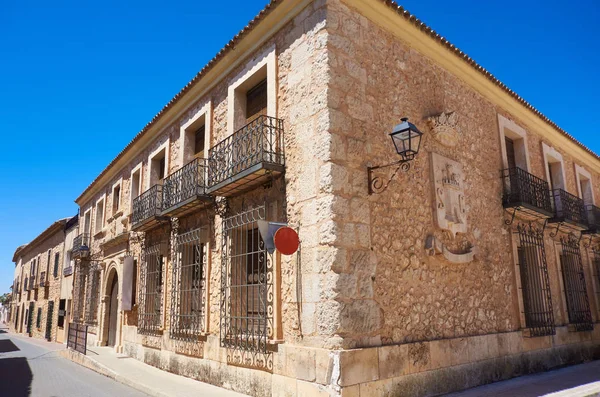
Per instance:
x=376, y=184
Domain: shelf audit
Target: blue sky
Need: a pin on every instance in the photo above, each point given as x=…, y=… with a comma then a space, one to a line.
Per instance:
x=78, y=80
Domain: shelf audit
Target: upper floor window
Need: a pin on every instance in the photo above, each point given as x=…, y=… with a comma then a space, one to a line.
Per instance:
x=199, y=142
x=555, y=172
x=99, y=215
x=253, y=92
x=116, y=198
x=584, y=185
x=87, y=222
x=158, y=163
x=515, y=153
x=56, y=261
x=135, y=184
x=194, y=135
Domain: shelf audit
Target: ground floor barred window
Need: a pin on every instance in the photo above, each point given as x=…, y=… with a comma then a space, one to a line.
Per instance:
x=92, y=297
x=578, y=305
x=535, y=283
x=188, y=291
x=247, y=284
x=150, y=309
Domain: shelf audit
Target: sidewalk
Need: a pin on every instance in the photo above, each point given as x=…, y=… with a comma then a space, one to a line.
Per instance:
x=143, y=377
x=581, y=380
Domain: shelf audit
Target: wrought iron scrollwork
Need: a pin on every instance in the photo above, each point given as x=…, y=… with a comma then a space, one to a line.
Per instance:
x=377, y=184
x=221, y=206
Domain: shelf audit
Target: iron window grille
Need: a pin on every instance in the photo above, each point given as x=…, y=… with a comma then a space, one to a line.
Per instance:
x=186, y=183
x=150, y=310
x=38, y=320
x=578, y=305
x=569, y=208
x=92, y=292
x=259, y=141
x=188, y=291
x=596, y=267
x=535, y=282
x=30, y=318
x=246, y=289
x=48, y=334
x=522, y=189
x=147, y=205
x=81, y=273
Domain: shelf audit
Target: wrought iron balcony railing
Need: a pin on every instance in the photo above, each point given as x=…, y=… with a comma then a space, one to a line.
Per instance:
x=43, y=281
x=522, y=189
x=593, y=218
x=81, y=243
x=67, y=271
x=184, y=185
x=569, y=208
x=147, y=206
x=254, y=148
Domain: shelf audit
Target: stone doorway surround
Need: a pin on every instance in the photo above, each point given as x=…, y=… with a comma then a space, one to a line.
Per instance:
x=111, y=280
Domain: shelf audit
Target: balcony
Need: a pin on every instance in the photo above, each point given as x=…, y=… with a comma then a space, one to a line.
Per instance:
x=43, y=280
x=67, y=271
x=526, y=192
x=569, y=210
x=81, y=245
x=185, y=189
x=248, y=158
x=147, y=209
x=593, y=218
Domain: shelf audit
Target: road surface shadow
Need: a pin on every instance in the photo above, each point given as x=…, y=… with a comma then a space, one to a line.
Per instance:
x=15, y=377
x=7, y=346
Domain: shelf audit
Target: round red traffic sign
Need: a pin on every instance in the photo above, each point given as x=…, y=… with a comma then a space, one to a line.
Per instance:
x=286, y=240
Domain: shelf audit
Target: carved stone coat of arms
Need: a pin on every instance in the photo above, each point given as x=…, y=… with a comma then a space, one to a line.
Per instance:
x=450, y=206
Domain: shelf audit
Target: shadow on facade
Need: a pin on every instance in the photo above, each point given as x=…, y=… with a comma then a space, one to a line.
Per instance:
x=7, y=346
x=15, y=377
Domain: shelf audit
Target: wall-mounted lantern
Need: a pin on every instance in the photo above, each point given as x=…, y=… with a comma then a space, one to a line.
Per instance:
x=407, y=140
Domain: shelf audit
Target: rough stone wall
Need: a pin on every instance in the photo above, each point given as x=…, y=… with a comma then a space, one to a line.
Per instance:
x=388, y=290
x=43, y=295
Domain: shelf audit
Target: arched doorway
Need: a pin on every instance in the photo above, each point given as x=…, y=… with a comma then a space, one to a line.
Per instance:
x=113, y=311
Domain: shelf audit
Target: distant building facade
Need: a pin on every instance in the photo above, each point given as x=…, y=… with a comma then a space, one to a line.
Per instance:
x=37, y=284
x=478, y=263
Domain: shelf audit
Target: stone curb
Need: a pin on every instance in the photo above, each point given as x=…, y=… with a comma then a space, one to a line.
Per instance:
x=88, y=362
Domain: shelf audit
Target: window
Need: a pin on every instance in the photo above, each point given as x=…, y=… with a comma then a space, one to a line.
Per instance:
x=135, y=184
x=253, y=91
x=256, y=101
x=161, y=169
x=38, y=321
x=116, y=199
x=199, y=142
x=574, y=285
x=92, y=294
x=555, y=173
x=194, y=135
x=188, y=286
x=99, y=215
x=158, y=163
x=513, y=138
x=247, y=303
x=56, y=261
x=584, y=185
x=61, y=313
x=510, y=153
x=87, y=222
x=48, y=263
x=151, y=279
x=48, y=334
x=535, y=284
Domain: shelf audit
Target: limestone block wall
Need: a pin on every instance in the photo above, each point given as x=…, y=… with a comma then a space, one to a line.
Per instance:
x=391, y=291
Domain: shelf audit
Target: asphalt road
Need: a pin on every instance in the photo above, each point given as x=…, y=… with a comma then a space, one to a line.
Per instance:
x=28, y=368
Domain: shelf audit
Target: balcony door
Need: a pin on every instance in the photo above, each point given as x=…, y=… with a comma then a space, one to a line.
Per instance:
x=256, y=101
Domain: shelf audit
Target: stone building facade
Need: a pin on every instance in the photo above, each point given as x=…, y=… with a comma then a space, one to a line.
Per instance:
x=37, y=284
x=478, y=263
